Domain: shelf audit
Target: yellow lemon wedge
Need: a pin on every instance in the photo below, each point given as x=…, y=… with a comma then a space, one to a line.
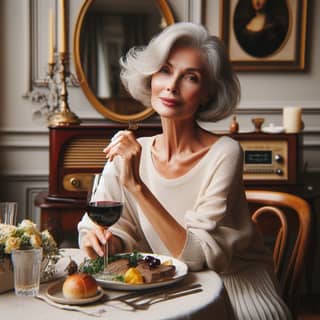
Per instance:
x=133, y=276
x=168, y=262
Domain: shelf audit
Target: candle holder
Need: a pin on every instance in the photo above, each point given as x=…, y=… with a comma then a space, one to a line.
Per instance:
x=51, y=71
x=63, y=115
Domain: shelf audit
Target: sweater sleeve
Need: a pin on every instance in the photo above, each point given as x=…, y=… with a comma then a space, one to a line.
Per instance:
x=219, y=224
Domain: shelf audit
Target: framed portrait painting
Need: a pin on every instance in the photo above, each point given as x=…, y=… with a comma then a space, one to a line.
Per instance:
x=265, y=34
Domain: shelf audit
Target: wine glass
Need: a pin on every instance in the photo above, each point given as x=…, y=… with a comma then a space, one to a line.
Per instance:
x=104, y=212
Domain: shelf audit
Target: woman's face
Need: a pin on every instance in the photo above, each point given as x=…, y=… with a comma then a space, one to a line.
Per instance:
x=258, y=4
x=179, y=87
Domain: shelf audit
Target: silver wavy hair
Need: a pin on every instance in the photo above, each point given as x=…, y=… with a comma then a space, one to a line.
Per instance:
x=140, y=63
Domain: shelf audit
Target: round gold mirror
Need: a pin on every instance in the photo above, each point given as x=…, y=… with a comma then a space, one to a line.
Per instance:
x=104, y=31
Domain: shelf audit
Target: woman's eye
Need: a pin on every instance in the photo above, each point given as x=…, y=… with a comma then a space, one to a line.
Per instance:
x=164, y=69
x=192, y=77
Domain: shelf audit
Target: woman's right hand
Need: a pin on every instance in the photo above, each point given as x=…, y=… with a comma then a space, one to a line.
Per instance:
x=94, y=240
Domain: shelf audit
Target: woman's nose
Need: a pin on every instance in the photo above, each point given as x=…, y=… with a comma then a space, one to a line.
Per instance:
x=172, y=85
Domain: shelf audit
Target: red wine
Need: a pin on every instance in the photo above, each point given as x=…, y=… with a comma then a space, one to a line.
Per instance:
x=105, y=213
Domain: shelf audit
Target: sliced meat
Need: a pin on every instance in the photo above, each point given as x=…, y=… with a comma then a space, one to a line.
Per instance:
x=118, y=267
x=155, y=274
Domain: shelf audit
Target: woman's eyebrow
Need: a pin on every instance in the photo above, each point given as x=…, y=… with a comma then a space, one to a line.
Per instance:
x=193, y=69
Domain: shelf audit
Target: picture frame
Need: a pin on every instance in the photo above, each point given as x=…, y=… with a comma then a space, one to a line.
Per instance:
x=274, y=41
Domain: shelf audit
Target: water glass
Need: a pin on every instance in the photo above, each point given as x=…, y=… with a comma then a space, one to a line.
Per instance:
x=26, y=269
x=8, y=212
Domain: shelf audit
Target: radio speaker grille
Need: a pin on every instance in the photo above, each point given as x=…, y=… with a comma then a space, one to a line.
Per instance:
x=85, y=153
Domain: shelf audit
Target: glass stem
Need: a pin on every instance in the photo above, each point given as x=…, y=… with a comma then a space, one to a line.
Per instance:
x=105, y=258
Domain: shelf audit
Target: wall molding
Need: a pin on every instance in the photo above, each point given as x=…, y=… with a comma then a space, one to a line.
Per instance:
x=40, y=140
x=194, y=10
x=32, y=212
x=37, y=77
x=24, y=178
x=38, y=26
x=23, y=140
x=23, y=189
x=274, y=110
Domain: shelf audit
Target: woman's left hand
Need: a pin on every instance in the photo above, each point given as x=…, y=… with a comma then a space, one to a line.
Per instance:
x=125, y=145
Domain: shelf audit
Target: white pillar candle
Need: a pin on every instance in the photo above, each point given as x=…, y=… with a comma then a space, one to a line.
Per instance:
x=292, y=121
x=63, y=38
x=51, y=37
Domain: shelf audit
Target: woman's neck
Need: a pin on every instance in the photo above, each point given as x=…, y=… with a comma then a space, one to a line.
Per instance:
x=179, y=136
x=180, y=147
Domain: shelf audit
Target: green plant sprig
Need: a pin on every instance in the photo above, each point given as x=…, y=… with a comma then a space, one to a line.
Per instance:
x=93, y=266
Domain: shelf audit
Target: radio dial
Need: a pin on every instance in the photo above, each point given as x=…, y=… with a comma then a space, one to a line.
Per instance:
x=278, y=158
x=75, y=182
x=279, y=172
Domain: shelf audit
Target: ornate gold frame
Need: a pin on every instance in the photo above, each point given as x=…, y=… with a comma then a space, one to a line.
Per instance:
x=291, y=56
x=113, y=102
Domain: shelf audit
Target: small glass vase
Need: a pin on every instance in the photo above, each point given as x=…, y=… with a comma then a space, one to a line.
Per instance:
x=48, y=270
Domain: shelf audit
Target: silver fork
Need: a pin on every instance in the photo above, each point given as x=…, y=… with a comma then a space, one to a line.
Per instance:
x=144, y=302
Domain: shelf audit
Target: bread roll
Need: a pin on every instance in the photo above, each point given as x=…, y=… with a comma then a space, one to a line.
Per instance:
x=79, y=286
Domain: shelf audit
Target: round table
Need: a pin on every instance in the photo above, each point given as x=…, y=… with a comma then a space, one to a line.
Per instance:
x=212, y=300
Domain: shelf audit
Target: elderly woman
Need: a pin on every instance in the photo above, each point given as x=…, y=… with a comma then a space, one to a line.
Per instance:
x=184, y=191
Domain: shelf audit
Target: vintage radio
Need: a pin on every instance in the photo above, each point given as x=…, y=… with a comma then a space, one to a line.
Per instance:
x=76, y=153
x=271, y=159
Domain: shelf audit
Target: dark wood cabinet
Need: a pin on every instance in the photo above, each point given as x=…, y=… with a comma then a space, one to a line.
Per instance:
x=270, y=161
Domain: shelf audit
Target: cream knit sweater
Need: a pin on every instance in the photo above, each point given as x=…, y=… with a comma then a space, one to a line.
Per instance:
x=209, y=201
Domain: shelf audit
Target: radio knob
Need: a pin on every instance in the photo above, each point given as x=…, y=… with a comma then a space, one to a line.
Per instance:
x=278, y=158
x=75, y=182
x=279, y=172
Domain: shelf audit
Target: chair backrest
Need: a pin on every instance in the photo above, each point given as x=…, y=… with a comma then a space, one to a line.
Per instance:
x=289, y=235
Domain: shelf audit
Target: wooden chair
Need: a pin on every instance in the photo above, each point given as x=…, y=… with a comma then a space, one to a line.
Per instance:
x=286, y=231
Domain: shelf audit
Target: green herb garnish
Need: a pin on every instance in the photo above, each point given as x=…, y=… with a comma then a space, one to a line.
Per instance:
x=120, y=278
x=93, y=266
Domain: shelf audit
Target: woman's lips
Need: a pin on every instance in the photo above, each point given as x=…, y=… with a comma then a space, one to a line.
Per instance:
x=169, y=102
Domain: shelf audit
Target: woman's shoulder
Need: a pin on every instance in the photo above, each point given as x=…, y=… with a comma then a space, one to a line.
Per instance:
x=228, y=144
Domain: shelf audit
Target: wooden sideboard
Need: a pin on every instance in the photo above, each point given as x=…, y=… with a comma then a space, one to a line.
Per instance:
x=270, y=161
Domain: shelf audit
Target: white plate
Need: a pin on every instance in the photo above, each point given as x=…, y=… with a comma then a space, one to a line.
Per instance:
x=54, y=293
x=181, y=273
x=273, y=129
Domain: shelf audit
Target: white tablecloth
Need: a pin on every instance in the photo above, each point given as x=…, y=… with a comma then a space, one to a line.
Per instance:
x=212, y=301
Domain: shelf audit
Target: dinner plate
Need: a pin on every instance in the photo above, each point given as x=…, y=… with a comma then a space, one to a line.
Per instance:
x=181, y=273
x=54, y=293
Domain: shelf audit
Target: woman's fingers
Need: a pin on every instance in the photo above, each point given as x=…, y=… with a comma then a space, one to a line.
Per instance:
x=125, y=145
x=99, y=232
x=107, y=234
x=89, y=251
x=121, y=143
x=94, y=240
x=91, y=245
x=113, y=141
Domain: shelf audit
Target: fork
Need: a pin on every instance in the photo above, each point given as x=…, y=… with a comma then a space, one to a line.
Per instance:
x=145, y=301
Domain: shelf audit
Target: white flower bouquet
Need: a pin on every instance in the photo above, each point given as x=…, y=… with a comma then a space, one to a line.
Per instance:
x=27, y=236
